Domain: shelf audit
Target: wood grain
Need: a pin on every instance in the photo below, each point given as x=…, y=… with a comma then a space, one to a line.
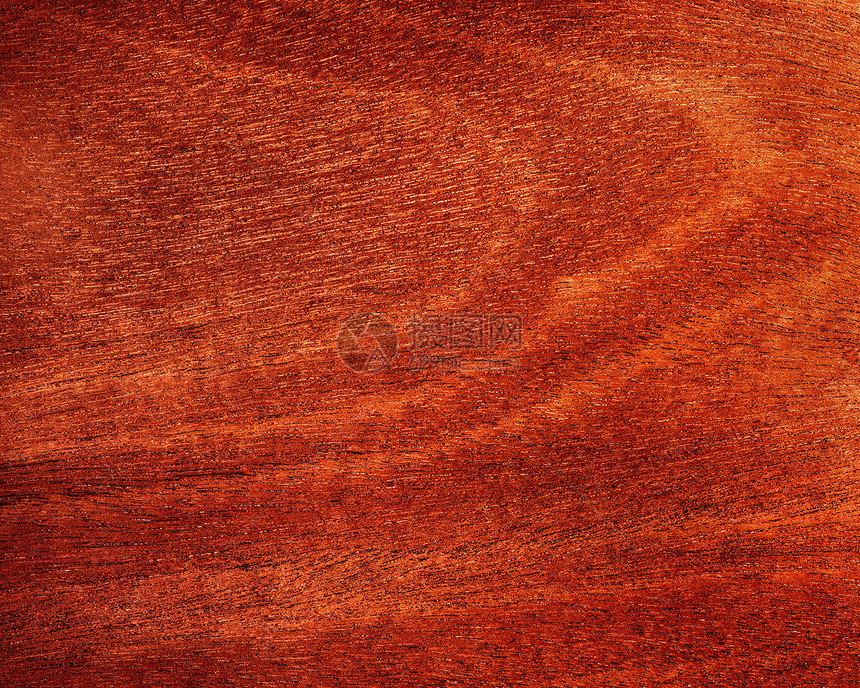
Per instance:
x=196, y=490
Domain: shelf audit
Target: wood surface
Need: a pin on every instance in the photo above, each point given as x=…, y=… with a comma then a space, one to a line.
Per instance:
x=196, y=489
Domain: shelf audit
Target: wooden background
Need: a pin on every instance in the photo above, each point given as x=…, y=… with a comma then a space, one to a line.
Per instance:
x=196, y=491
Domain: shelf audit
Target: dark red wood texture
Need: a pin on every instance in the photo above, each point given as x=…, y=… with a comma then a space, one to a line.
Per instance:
x=196, y=490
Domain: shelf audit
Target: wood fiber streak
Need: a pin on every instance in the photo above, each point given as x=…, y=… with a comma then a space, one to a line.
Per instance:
x=196, y=491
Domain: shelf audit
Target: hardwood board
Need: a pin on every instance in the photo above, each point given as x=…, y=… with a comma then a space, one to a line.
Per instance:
x=661, y=487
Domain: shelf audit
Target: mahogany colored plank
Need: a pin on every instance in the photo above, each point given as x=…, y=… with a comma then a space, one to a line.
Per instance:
x=429, y=344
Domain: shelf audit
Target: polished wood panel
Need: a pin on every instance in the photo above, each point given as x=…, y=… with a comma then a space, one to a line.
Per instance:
x=219, y=469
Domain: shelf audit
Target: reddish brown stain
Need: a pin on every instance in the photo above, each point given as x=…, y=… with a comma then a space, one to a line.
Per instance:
x=197, y=491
